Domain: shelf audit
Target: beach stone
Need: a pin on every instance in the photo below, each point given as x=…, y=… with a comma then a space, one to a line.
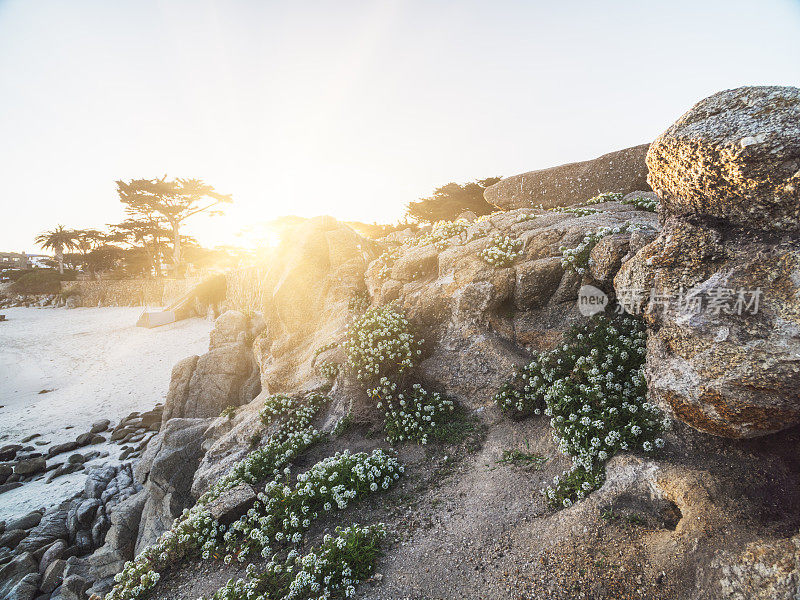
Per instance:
x=53, y=575
x=232, y=504
x=52, y=527
x=55, y=551
x=84, y=439
x=61, y=448
x=26, y=588
x=86, y=511
x=97, y=481
x=30, y=466
x=622, y=171
x=76, y=459
x=64, y=470
x=100, y=426
x=30, y=438
x=30, y=520
x=121, y=432
x=9, y=451
x=74, y=587
x=6, y=487
x=15, y=571
x=12, y=537
x=735, y=157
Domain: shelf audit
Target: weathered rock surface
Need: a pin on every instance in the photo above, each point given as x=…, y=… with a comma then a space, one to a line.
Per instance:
x=166, y=471
x=203, y=386
x=232, y=504
x=734, y=156
x=13, y=572
x=621, y=171
x=481, y=321
x=723, y=301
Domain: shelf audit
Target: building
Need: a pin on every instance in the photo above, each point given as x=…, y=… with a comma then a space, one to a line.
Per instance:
x=14, y=260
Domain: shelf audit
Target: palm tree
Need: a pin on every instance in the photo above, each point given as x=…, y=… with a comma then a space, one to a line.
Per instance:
x=57, y=240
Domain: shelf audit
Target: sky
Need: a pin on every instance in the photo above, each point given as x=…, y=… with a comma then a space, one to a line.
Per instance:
x=351, y=109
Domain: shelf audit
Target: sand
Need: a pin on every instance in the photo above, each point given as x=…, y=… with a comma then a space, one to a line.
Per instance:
x=96, y=364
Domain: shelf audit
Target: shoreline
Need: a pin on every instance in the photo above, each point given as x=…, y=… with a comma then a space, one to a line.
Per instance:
x=95, y=364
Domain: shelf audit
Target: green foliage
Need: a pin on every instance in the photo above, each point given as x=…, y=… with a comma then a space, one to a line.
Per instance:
x=502, y=251
x=40, y=281
x=449, y=201
x=411, y=415
x=524, y=394
x=381, y=343
x=520, y=458
x=577, y=259
x=381, y=348
x=593, y=389
x=359, y=302
x=576, y=210
x=228, y=412
x=282, y=514
x=642, y=203
x=605, y=197
x=328, y=572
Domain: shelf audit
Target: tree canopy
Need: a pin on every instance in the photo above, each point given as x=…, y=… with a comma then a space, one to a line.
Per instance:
x=175, y=200
x=449, y=201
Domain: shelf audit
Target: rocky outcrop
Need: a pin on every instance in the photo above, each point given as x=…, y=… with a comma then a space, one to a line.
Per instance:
x=735, y=156
x=722, y=300
x=317, y=271
x=481, y=320
x=166, y=471
x=622, y=171
x=227, y=375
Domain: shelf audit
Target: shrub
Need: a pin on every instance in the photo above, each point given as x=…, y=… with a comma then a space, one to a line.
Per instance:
x=593, y=389
x=524, y=394
x=331, y=571
x=381, y=343
x=642, y=203
x=577, y=259
x=411, y=415
x=282, y=514
x=502, y=251
x=39, y=282
x=605, y=197
x=601, y=407
x=576, y=210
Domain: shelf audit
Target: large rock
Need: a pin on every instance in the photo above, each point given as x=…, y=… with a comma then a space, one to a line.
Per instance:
x=30, y=466
x=13, y=572
x=166, y=471
x=217, y=381
x=734, y=156
x=52, y=527
x=26, y=588
x=622, y=171
x=228, y=375
x=232, y=504
x=53, y=575
x=723, y=301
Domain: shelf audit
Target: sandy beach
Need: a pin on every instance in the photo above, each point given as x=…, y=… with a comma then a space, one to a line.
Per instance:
x=61, y=370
